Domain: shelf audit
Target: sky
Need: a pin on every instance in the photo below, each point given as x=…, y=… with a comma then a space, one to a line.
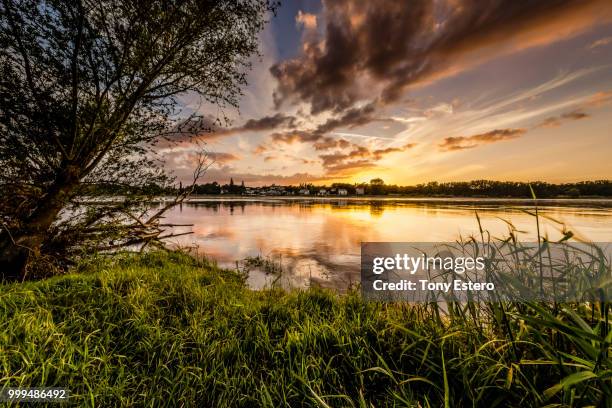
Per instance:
x=418, y=91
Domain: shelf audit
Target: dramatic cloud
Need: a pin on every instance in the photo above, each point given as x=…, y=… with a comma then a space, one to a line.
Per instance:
x=360, y=157
x=556, y=121
x=207, y=128
x=255, y=125
x=469, y=142
x=265, y=123
x=349, y=119
x=388, y=45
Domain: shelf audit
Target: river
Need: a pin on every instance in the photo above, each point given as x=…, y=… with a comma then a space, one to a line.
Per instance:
x=317, y=240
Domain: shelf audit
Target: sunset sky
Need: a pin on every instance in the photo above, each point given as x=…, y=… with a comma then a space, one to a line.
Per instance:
x=417, y=91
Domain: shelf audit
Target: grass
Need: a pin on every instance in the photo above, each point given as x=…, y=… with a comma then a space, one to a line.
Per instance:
x=164, y=329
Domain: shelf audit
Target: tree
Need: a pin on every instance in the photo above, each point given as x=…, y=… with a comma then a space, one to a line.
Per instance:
x=377, y=186
x=87, y=89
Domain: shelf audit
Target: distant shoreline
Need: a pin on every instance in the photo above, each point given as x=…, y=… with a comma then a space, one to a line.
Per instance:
x=595, y=201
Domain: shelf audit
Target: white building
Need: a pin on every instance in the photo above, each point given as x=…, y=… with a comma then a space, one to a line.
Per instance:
x=322, y=192
x=342, y=192
x=304, y=191
x=360, y=190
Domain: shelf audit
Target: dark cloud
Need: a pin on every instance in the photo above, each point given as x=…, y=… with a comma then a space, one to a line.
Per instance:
x=349, y=119
x=295, y=136
x=556, y=121
x=265, y=123
x=327, y=143
x=206, y=128
x=576, y=115
x=252, y=125
x=469, y=142
x=393, y=44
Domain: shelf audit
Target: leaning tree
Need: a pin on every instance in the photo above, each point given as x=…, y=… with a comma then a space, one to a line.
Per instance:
x=87, y=89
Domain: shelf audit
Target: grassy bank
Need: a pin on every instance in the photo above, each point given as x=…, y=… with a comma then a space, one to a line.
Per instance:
x=166, y=330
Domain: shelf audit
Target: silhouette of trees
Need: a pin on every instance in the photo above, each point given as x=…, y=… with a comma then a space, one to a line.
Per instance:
x=87, y=89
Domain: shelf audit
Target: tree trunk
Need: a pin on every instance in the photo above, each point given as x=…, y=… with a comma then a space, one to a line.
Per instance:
x=12, y=259
x=17, y=250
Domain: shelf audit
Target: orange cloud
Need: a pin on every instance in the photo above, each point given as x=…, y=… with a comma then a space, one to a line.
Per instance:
x=555, y=121
x=469, y=142
x=358, y=159
x=306, y=20
x=599, y=99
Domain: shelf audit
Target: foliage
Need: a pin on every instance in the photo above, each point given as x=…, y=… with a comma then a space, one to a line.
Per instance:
x=87, y=89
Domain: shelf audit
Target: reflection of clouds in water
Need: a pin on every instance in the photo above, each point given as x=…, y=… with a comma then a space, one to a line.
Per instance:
x=317, y=238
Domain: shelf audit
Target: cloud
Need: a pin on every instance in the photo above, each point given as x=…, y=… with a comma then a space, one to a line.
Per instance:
x=220, y=157
x=596, y=100
x=599, y=99
x=360, y=157
x=349, y=167
x=306, y=20
x=207, y=128
x=255, y=125
x=601, y=42
x=265, y=123
x=295, y=136
x=327, y=143
x=469, y=142
x=556, y=121
x=357, y=116
x=372, y=50
x=260, y=149
x=187, y=156
x=351, y=118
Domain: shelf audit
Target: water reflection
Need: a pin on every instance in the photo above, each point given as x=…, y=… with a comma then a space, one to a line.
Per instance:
x=318, y=242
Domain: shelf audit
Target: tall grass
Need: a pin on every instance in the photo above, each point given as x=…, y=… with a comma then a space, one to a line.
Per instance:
x=165, y=329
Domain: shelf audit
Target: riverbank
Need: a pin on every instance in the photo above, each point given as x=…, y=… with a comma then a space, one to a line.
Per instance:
x=167, y=330
x=605, y=202
x=596, y=202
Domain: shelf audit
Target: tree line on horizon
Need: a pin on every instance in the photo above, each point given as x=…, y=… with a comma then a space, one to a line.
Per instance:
x=474, y=188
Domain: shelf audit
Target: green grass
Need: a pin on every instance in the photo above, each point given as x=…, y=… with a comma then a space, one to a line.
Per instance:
x=163, y=329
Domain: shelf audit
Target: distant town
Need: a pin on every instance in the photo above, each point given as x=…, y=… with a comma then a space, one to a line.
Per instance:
x=475, y=188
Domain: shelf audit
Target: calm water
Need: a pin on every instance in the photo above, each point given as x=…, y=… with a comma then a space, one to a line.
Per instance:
x=317, y=241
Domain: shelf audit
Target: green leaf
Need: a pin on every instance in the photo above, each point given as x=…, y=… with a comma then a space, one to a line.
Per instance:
x=568, y=381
